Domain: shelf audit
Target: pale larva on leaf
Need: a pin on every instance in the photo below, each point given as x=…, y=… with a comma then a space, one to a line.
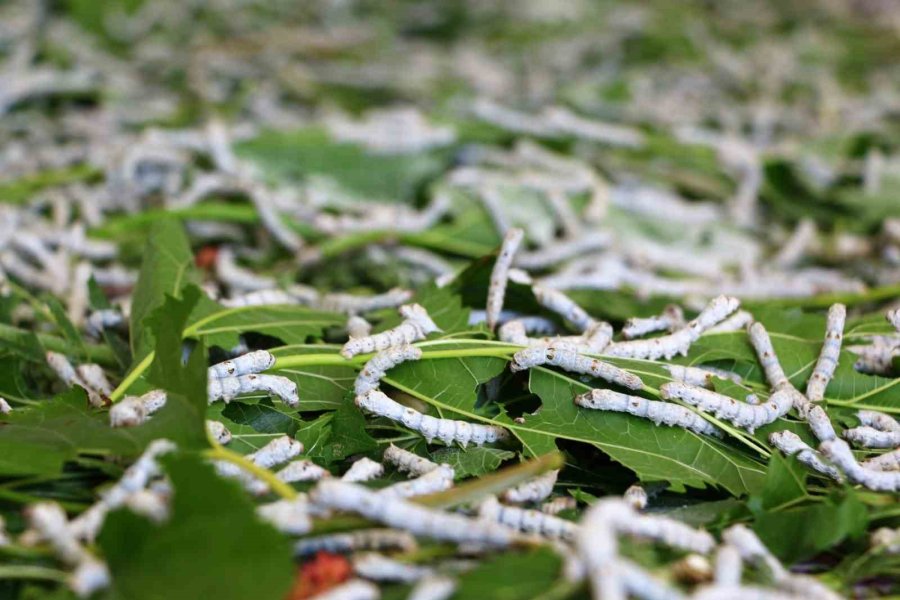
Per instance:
x=828, y=357
x=748, y=416
x=415, y=326
x=500, y=275
x=889, y=461
x=527, y=521
x=352, y=541
x=661, y=413
x=565, y=356
x=377, y=366
x=301, y=470
x=533, y=490
x=636, y=497
x=251, y=362
x=564, y=306
x=791, y=444
x=869, y=437
x=132, y=411
x=287, y=516
x=759, y=339
x=838, y=452
x=363, y=469
x=375, y=567
x=671, y=319
x=408, y=461
x=878, y=420
x=436, y=480
x=229, y=388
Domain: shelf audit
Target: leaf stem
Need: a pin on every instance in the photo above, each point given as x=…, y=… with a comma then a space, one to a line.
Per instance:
x=133, y=376
x=219, y=452
x=32, y=572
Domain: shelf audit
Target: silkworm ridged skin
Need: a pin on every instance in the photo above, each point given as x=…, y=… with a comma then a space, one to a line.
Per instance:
x=566, y=357
x=228, y=388
x=828, y=357
x=416, y=325
x=259, y=298
x=252, y=362
x=279, y=450
x=878, y=420
x=376, y=368
x=358, y=327
x=791, y=444
x=869, y=437
x=661, y=413
x=759, y=339
x=415, y=518
x=433, y=587
x=668, y=532
x=533, y=490
x=376, y=567
x=641, y=584
x=447, y=430
x=559, y=504
x=513, y=332
x=301, y=470
x=736, y=322
x=598, y=336
x=820, y=424
x=62, y=367
x=352, y=304
x=729, y=566
x=748, y=416
x=364, y=469
x=128, y=412
x=408, y=461
x=363, y=539
x=436, y=480
x=889, y=461
x=528, y=521
x=893, y=317
x=499, y=275
x=840, y=454
x=288, y=516
x=690, y=375
x=217, y=431
x=561, y=304
x=672, y=318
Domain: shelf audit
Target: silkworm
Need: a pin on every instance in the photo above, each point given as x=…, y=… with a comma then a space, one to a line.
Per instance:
x=354, y=589
x=893, y=317
x=433, y=587
x=403, y=514
x=566, y=357
x=678, y=342
x=277, y=451
x=640, y=584
x=5, y=408
x=513, y=332
x=759, y=339
x=237, y=277
x=377, y=366
x=878, y=420
x=533, y=490
x=415, y=326
x=597, y=336
x=358, y=327
x=436, y=480
x=671, y=319
x=745, y=592
x=869, y=437
x=886, y=539
x=820, y=424
x=90, y=377
x=791, y=444
x=353, y=304
x=362, y=539
x=889, y=461
x=559, y=504
x=528, y=521
x=736, y=322
x=828, y=358
x=259, y=298
x=100, y=320
x=229, y=388
x=557, y=252
x=797, y=245
x=636, y=497
x=876, y=358
x=407, y=461
x=375, y=567
x=499, y=275
x=291, y=517
x=264, y=202
x=446, y=430
x=149, y=503
x=217, y=431
x=690, y=375
x=729, y=566
x=252, y=362
x=135, y=410
x=661, y=413
x=363, y=469
x=301, y=470
x=840, y=454
x=558, y=302
x=748, y=416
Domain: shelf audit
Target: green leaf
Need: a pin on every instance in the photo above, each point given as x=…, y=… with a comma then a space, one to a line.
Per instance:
x=213, y=546
x=321, y=387
x=785, y=484
x=263, y=416
x=472, y=462
x=70, y=333
x=511, y=576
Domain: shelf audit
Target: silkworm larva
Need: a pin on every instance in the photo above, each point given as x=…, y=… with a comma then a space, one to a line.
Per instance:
x=560, y=251
x=353, y=304
x=886, y=539
x=260, y=298
x=436, y=480
x=370, y=375
x=408, y=461
x=828, y=358
x=671, y=319
x=135, y=410
x=237, y=277
x=528, y=521
x=597, y=336
x=661, y=413
x=446, y=430
x=288, y=516
x=415, y=326
x=363, y=469
x=217, y=431
x=533, y=490
x=636, y=497
x=358, y=327
x=820, y=424
x=93, y=379
x=736, y=322
x=559, y=504
x=840, y=454
x=693, y=569
x=869, y=437
x=690, y=375
x=402, y=514
x=354, y=589
x=433, y=587
x=748, y=416
x=513, y=332
x=791, y=444
x=893, y=317
x=99, y=320
x=301, y=470
x=729, y=566
x=889, y=461
x=641, y=584
x=566, y=357
x=229, y=388
x=499, y=275
x=759, y=339
x=375, y=567
x=878, y=420
x=279, y=450
x=362, y=539
x=252, y=362
x=564, y=306
x=5, y=408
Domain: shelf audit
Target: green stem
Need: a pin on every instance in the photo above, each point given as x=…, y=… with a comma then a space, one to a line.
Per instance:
x=133, y=376
x=218, y=452
x=32, y=572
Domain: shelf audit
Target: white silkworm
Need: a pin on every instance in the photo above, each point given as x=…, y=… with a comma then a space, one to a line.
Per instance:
x=671, y=319
x=690, y=375
x=668, y=532
x=100, y=320
x=889, y=461
x=362, y=539
x=279, y=450
x=408, y=461
x=598, y=336
x=499, y=276
x=291, y=517
x=519, y=276
x=528, y=521
x=640, y=584
x=840, y=454
x=877, y=357
x=878, y=420
x=661, y=413
x=748, y=416
x=564, y=306
x=598, y=547
x=252, y=362
x=5, y=408
x=678, y=342
x=62, y=367
x=744, y=592
x=132, y=411
x=791, y=444
x=149, y=503
x=886, y=539
x=375, y=567
x=557, y=252
x=559, y=504
x=736, y=322
x=533, y=490
x=415, y=326
x=820, y=424
x=869, y=437
x=436, y=480
x=377, y=366
x=353, y=304
x=89, y=377
x=893, y=317
x=363, y=469
x=759, y=339
x=301, y=470
x=260, y=298
x=237, y=277
x=217, y=431
x=229, y=388
x=406, y=515
x=354, y=589
x=729, y=566
x=636, y=497
x=514, y=332
x=358, y=327
x=566, y=356
x=433, y=587
x=828, y=358
x=446, y=430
